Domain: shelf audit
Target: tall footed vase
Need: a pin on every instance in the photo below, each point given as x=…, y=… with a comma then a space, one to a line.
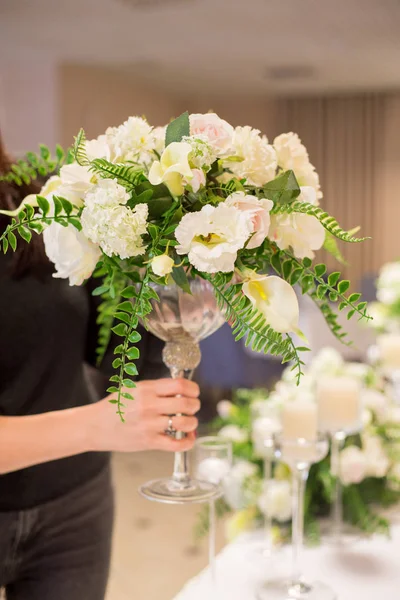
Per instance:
x=182, y=320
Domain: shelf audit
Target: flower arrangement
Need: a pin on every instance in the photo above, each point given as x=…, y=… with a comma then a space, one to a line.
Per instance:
x=196, y=198
x=386, y=311
x=370, y=461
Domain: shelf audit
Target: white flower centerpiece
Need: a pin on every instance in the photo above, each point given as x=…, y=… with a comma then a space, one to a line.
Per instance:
x=142, y=205
x=386, y=310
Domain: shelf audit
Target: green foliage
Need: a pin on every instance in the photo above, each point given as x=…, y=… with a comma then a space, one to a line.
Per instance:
x=331, y=246
x=283, y=189
x=35, y=165
x=127, y=175
x=330, y=223
x=79, y=149
x=177, y=129
x=247, y=321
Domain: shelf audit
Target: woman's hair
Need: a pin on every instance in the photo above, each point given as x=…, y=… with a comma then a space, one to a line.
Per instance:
x=28, y=257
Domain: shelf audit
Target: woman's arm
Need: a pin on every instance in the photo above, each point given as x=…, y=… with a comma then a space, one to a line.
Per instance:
x=34, y=439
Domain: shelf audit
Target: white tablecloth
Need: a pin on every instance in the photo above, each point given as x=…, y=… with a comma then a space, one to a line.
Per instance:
x=361, y=569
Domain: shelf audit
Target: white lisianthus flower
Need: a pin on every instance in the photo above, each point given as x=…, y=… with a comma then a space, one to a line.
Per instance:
x=73, y=255
x=292, y=154
x=172, y=168
x=215, y=130
x=234, y=484
x=98, y=148
x=159, y=139
x=203, y=154
x=162, y=265
x=327, y=361
x=258, y=164
x=213, y=236
x=308, y=195
x=388, y=283
x=118, y=230
x=303, y=233
x=51, y=186
x=353, y=465
x=377, y=461
x=275, y=299
x=76, y=178
x=132, y=141
x=224, y=408
x=106, y=194
x=258, y=209
x=276, y=500
x=233, y=433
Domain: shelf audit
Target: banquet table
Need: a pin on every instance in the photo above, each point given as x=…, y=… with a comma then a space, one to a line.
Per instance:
x=358, y=569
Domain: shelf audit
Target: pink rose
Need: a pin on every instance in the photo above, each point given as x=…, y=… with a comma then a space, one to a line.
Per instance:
x=259, y=213
x=197, y=180
x=217, y=131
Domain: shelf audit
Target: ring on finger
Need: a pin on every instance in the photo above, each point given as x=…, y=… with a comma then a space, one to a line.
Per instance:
x=170, y=430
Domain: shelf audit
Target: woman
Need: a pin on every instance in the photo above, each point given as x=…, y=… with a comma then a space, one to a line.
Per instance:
x=56, y=506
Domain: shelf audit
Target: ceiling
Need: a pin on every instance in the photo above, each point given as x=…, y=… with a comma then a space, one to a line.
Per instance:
x=258, y=46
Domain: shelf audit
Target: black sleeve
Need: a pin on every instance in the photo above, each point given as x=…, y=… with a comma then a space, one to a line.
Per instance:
x=150, y=364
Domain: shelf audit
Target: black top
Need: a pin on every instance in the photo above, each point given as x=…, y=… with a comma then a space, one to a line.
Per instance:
x=47, y=331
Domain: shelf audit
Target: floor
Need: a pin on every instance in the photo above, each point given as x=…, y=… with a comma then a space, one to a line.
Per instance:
x=154, y=552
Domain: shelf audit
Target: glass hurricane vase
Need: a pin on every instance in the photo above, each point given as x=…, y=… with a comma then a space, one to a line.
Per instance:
x=182, y=320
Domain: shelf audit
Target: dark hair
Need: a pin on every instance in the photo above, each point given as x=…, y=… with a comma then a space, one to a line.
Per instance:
x=28, y=257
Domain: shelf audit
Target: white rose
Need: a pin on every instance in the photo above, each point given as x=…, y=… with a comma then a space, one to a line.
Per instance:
x=172, y=168
x=303, y=233
x=73, y=255
x=259, y=211
x=224, y=409
x=276, y=500
x=212, y=237
x=353, y=465
x=233, y=484
x=258, y=164
x=162, y=265
x=275, y=299
x=233, y=433
x=377, y=461
x=218, y=132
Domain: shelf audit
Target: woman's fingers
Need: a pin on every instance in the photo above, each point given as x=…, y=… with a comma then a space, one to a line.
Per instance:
x=168, y=444
x=173, y=387
x=179, y=423
x=173, y=405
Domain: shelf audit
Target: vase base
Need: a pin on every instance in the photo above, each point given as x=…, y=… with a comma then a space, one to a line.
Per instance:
x=169, y=491
x=279, y=590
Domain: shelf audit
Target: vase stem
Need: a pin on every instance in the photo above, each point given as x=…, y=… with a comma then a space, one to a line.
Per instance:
x=181, y=459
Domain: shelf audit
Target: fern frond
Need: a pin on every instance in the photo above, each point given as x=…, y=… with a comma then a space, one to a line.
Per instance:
x=328, y=222
x=127, y=175
x=79, y=149
x=246, y=321
x=35, y=165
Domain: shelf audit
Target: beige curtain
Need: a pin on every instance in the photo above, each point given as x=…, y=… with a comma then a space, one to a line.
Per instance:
x=354, y=143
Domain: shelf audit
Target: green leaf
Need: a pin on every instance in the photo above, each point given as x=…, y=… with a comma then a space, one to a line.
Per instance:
x=117, y=362
x=76, y=223
x=307, y=262
x=129, y=292
x=331, y=246
x=66, y=204
x=295, y=276
x=25, y=233
x=131, y=369
x=283, y=189
x=180, y=278
x=276, y=263
x=12, y=240
x=125, y=306
x=177, y=129
x=112, y=390
x=354, y=297
x=286, y=269
x=333, y=278
x=153, y=231
x=320, y=270
x=135, y=337
x=343, y=286
x=57, y=206
x=114, y=378
x=102, y=289
x=127, y=395
x=119, y=349
x=121, y=316
x=128, y=383
x=133, y=353
x=43, y=204
x=120, y=329
x=44, y=152
x=5, y=244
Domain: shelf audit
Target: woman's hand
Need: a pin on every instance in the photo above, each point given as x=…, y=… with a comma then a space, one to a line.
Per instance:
x=147, y=418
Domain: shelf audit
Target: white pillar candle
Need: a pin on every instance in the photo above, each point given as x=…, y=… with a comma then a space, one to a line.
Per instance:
x=389, y=351
x=299, y=420
x=213, y=469
x=339, y=404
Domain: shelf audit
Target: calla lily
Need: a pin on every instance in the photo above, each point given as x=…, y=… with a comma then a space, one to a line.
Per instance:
x=275, y=299
x=172, y=168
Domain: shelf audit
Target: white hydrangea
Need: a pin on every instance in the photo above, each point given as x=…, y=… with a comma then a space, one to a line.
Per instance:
x=203, y=154
x=117, y=229
x=132, y=141
x=258, y=164
x=107, y=194
x=292, y=154
x=212, y=237
x=276, y=500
